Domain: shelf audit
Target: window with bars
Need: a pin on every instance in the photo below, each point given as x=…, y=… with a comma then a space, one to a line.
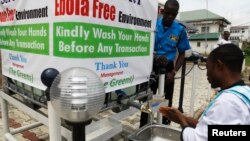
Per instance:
x=205, y=29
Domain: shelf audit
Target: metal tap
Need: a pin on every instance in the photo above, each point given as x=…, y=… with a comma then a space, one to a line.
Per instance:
x=147, y=108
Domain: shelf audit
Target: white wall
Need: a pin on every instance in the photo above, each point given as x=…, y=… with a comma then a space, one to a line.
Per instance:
x=212, y=28
x=203, y=49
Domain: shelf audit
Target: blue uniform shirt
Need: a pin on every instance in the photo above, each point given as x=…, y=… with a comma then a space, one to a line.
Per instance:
x=166, y=40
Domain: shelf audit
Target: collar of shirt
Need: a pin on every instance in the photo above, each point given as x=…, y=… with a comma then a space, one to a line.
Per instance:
x=240, y=82
x=162, y=27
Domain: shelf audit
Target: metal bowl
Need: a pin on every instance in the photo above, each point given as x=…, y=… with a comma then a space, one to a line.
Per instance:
x=156, y=132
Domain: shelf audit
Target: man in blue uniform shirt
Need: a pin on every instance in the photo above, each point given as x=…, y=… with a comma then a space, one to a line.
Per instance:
x=170, y=38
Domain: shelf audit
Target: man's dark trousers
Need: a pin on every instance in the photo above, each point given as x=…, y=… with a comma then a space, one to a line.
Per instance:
x=168, y=90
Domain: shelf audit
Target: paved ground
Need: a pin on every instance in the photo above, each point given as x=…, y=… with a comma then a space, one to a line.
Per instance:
x=201, y=91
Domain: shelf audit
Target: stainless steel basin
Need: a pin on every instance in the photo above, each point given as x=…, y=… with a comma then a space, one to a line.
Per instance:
x=155, y=132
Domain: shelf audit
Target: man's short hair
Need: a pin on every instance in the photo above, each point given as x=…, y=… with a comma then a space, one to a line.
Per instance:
x=229, y=54
x=173, y=2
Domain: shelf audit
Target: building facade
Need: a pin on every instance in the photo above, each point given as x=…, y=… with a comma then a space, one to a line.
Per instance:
x=240, y=33
x=209, y=25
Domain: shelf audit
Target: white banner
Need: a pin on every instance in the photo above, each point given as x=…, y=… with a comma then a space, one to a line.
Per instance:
x=114, y=38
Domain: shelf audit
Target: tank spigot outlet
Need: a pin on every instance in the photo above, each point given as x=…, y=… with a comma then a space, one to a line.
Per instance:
x=147, y=108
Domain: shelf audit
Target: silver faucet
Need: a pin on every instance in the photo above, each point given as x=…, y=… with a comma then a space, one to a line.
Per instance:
x=147, y=108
